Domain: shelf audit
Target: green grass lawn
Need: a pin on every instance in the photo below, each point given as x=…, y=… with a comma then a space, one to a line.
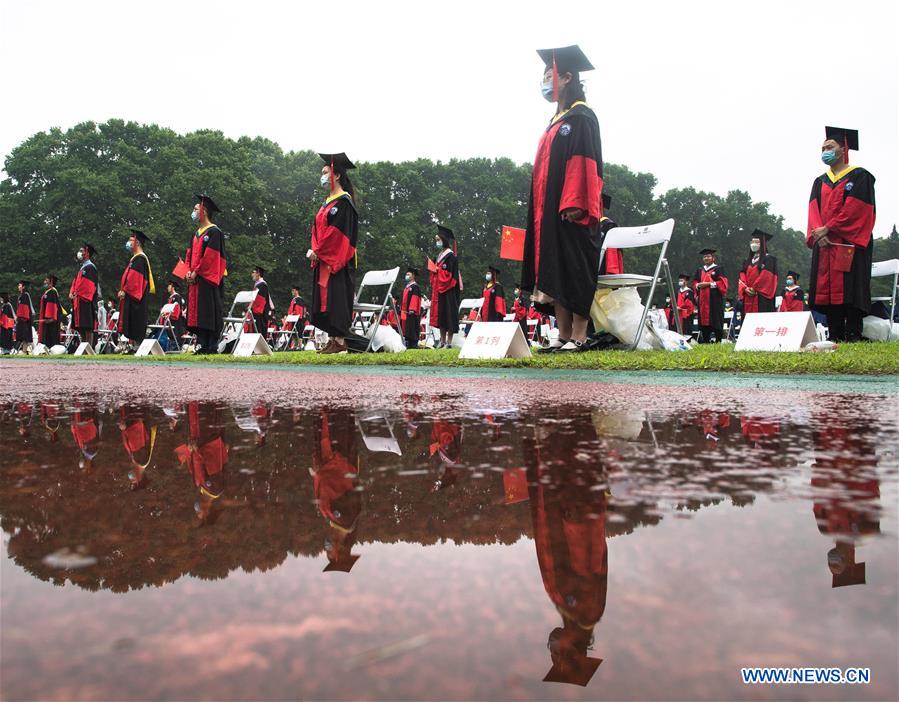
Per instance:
x=861, y=358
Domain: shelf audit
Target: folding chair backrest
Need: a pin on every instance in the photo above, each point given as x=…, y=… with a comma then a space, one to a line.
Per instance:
x=471, y=303
x=244, y=297
x=168, y=308
x=634, y=237
x=292, y=318
x=881, y=268
x=376, y=278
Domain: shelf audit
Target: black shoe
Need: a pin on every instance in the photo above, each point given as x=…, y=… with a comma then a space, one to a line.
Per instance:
x=573, y=347
x=553, y=349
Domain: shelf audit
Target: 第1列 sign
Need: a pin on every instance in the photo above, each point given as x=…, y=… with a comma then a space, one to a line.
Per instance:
x=149, y=347
x=776, y=331
x=252, y=345
x=495, y=340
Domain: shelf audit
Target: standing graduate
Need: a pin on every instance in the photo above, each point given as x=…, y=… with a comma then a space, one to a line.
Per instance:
x=333, y=254
x=50, y=314
x=841, y=218
x=410, y=309
x=563, y=239
x=493, y=308
x=206, y=271
x=134, y=290
x=792, y=297
x=520, y=310
x=84, y=294
x=177, y=315
x=710, y=287
x=297, y=306
x=758, y=277
x=205, y=456
x=686, y=304
x=24, y=315
x=446, y=288
x=613, y=262
x=7, y=323
x=262, y=303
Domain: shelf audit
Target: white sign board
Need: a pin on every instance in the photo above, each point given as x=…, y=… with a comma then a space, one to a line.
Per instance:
x=495, y=340
x=39, y=350
x=149, y=347
x=776, y=331
x=85, y=349
x=252, y=345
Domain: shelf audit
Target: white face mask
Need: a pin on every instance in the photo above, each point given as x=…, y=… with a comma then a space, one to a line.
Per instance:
x=439, y=244
x=325, y=181
x=408, y=277
x=755, y=247
x=683, y=284
x=194, y=216
x=488, y=277
x=80, y=255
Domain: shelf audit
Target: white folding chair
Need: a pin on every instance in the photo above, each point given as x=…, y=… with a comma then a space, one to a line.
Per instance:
x=466, y=306
x=166, y=326
x=233, y=322
x=284, y=336
x=372, y=441
x=633, y=238
x=880, y=269
x=372, y=311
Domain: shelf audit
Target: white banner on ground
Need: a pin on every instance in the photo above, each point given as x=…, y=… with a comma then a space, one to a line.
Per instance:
x=776, y=331
x=495, y=340
x=149, y=347
x=85, y=349
x=252, y=345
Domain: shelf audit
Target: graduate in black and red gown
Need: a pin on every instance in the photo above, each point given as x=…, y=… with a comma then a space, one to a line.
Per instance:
x=204, y=456
x=792, y=297
x=7, y=323
x=86, y=432
x=563, y=239
x=178, y=312
x=84, y=294
x=24, y=315
x=138, y=441
x=613, y=262
x=686, y=304
x=206, y=270
x=410, y=309
x=520, y=309
x=757, y=286
x=446, y=288
x=841, y=215
x=262, y=303
x=333, y=254
x=296, y=307
x=710, y=287
x=134, y=290
x=493, y=309
x=446, y=451
x=50, y=314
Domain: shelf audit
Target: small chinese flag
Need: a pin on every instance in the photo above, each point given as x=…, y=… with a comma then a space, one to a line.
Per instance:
x=432, y=267
x=180, y=269
x=515, y=484
x=512, y=244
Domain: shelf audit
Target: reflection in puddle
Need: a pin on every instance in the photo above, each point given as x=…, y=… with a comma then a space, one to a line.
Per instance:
x=165, y=501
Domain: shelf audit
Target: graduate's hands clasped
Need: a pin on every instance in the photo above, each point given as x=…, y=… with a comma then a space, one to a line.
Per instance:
x=572, y=214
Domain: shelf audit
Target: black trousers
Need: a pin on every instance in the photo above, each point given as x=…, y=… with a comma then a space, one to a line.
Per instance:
x=411, y=331
x=687, y=325
x=844, y=322
x=705, y=334
x=207, y=340
x=261, y=321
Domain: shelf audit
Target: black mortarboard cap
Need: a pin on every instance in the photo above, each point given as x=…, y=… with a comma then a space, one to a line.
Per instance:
x=174, y=283
x=141, y=237
x=759, y=234
x=853, y=575
x=794, y=274
x=260, y=270
x=26, y=283
x=494, y=270
x=445, y=233
x=207, y=203
x=340, y=161
x=683, y=275
x=90, y=249
x=569, y=59
x=707, y=251
x=295, y=286
x=574, y=670
x=606, y=202
x=845, y=137
x=413, y=270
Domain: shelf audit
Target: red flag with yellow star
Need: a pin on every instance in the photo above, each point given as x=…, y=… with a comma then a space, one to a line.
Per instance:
x=512, y=244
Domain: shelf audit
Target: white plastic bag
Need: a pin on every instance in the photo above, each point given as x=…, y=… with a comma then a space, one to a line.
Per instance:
x=619, y=312
x=385, y=339
x=877, y=329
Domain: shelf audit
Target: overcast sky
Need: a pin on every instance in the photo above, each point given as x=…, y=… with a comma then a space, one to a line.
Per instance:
x=717, y=95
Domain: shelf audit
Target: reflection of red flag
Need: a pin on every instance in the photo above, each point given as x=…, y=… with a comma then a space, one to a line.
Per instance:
x=432, y=267
x=515, y=484
x=180, y=269
x=512, y=244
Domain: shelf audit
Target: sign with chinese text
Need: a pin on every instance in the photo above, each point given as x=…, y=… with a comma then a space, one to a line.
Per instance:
x=776, y=331
x=252, y=345
x=495, y=340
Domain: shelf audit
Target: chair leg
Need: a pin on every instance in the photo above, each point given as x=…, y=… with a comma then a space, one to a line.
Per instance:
x=673, y=295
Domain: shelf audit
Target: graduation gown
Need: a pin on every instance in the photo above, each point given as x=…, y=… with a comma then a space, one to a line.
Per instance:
x=710, y=300
x=206, y=454
x=792, y=300
x=613, y=263
x=493, y=308
x=297, y=306
x=334, y=234
x=261, y=306
x=844, y=205
x=410, y=313
x=761, y=276
x=49, y=317
x=7, y=324
x=137, y=283
x=561, y=258
x=84, y=305
x=24, y=311
x=446, y=287
x=205, y=298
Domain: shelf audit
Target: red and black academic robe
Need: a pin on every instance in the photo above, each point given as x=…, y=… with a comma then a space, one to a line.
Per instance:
x=24, y=310
x=262, y=303
x=134, y=308
x=85, y=431
x=84, y=304
x=844, y=205
x=686, y=303
x=335, y=469
x=334, y=234
x=410, y=313
x=493, y=309
x=561, y=258
x=49, y=318
x=297, y=307
x=206, y=455
x=710, y=300
x=7, y=324
x=446, y=287
x=135, y=438
x=177, y=315
x=761, y=276
x=613, y=262
x=792, y=300
x=205, y=298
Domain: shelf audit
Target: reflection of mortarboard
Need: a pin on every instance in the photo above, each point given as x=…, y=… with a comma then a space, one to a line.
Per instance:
x=570, y=661
x=207, y=202
x=794, y=274
x=141, y=237
x=706, y=251
x=759, y=234
x=413, y=271
x=568, y=59
x=90, y=249
x=338, y=161
x=606, y=202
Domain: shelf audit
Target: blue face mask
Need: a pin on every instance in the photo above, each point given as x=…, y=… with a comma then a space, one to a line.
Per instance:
x=789, y=281
x=547, y=90
x=129, y=246
x=194, y=216
x=829, y=156
x=326, y=181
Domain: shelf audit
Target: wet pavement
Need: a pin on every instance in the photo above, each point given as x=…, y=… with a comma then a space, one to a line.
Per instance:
x=220, y=533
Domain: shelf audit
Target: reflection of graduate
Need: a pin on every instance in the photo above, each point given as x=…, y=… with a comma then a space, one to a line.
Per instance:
x=446, y=440
x=138, y=442
x=844, y=473
x=23, y=416
x=335, y=473
x=569, y=533
x=758, y=429
x=204, y=456
x=50, y=420
x=86, y=434
x=711, y=423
